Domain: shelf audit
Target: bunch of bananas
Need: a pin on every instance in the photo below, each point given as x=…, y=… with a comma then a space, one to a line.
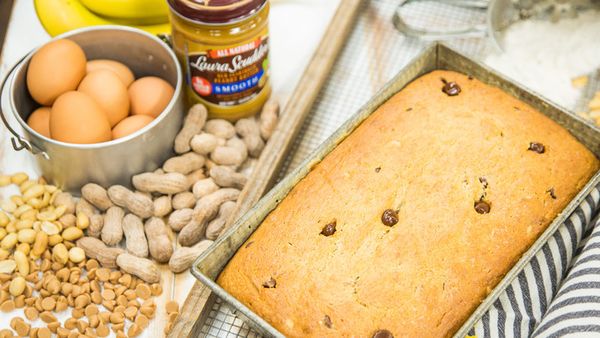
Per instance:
x=59, y=16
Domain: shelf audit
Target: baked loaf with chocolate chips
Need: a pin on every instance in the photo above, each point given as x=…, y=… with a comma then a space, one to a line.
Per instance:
x=414, y=218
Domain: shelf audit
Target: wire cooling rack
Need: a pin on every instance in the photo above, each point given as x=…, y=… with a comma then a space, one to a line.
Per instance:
x=373, y=54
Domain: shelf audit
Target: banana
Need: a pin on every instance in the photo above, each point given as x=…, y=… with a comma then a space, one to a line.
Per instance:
x=129, y=9
x=137, y=21
x=59, y=16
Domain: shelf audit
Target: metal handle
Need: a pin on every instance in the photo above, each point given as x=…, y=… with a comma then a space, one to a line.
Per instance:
x=476, y=31
x=18, y=142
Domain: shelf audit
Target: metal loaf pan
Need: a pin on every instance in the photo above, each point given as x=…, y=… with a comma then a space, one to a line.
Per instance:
x=210, y=264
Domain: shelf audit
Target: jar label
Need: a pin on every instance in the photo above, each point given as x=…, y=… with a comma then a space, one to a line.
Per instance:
x=232, y=75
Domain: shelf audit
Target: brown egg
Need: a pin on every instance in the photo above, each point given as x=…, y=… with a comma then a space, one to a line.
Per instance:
x=110, y=93
x=39, y=121
x=150, y=95
x=130, y=125
x=122, y=71
x=54, y=69
x=77, y=118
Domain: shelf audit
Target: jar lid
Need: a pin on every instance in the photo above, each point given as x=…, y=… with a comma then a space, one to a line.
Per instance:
x=215, y=11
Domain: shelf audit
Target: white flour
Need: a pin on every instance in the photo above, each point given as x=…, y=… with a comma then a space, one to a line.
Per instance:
x=545, y=56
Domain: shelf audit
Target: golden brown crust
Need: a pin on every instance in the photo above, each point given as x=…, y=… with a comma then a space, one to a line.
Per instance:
x=429, y=156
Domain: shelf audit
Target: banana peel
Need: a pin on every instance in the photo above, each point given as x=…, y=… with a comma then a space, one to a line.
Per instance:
x=60, y=16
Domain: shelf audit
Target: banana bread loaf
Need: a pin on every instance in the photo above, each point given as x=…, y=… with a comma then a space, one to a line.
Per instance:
x=412, y=220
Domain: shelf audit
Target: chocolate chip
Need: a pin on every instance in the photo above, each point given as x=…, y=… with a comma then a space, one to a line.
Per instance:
x=482, y=207
x=552, y=193
x=389, y=217
x=383, y=334
x=248, y=244
x=537, y=147
x=451, y=88
x=483, y=181
x=329, y=229
x=378, y=169
x=327, y=321
x=270, y=284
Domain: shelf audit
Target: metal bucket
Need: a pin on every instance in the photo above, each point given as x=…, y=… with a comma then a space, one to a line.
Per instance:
x=70, y=166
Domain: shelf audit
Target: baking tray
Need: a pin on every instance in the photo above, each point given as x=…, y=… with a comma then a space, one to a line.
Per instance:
x=437, y=56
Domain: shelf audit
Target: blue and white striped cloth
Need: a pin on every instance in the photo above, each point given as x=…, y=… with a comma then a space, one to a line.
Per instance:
x=555, y=295
x=575, y=309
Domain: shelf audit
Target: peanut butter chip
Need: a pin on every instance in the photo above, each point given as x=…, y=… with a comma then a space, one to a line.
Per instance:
x=77, y=313
x=103, y=274
x=117, y=327
x=82, y=325
x=82, y=301
x=47, y=317
x=91, y=264
x=7, y=306
x=96, y=297
x=62, y=332
x=156, y=289
x=22, y=328
x=14, y=321
x=71, y=323
x=172, y=306
x=117, y=318
x=91, y=310
x=61, y=305
x=48, y=303
x=148, y=311
x=142, y=321
x=108, y=294
x=6, y=333
x=143, y=291
x=43, y=332
x=102, y=330
x=53, y=326
x=130, y=312
x=19, y=301
x=31, y=313
x=130, y=294
x=104, y=317
x=134, y=330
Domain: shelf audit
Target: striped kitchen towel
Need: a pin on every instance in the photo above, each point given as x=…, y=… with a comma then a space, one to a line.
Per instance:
x=575, y=311
x=536, y=301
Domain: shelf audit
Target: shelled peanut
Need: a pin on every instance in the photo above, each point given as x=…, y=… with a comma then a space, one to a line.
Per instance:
x=195, y=191
x=44, y=271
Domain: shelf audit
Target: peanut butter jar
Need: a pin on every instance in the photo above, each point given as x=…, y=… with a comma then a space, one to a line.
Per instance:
x=223, y=47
